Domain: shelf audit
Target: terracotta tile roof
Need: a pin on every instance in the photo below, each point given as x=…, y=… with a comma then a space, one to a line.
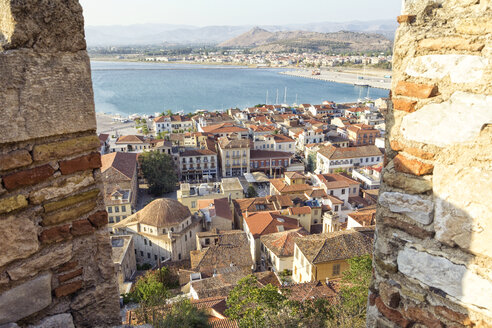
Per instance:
x=223, y=128
x=336, y=181
x=197, y=152
x=267, y=277
x=125, y=163
x=226, y=143
x=282, y=243
x=300, y=210
x=262, y=128
x=295, y=175
x=332, y=153
x=256, y=204
x=266, y=154
x=314, y=290
x=283, y=187
x=179, y=118
x=161, y=119
x=280, y=201
x=282, y=138
x=221, y=256
x=263, y=223
x=221, y=206
x=365, y=216
x=339, y=245
x=131, y=139
x=316, y=193
x=103, y=137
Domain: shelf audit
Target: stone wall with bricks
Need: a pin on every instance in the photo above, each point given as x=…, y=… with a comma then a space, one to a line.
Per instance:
x=433, y=249
x=55, y=255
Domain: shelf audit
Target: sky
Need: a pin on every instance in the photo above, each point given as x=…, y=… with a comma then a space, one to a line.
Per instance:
x=235, y=12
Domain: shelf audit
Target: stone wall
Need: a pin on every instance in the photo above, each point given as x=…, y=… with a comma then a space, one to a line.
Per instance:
x=433, y=251
x=55, y=256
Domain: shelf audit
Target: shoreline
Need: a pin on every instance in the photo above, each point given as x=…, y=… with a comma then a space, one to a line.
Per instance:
x=344, y=77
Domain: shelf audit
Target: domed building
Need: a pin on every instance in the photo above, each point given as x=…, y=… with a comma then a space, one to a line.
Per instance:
x=164, y=230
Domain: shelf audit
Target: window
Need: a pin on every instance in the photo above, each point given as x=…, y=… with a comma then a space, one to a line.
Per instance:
x=145, y=229
x=331, y=192
x=190, y=234
x=155, y=257
x=179, y=256
x=193, y=204
x=163, y=230
x=110, y=209
x=207, y=241
x=336, y=208
x=150, y=243
x=145, y=241
x=172, y=229
x=116, y=209
x=343, y=191
x=111, y=219
x=336, y=269
x=355, y=190
x=117, y=219
x=141, y=253
x=148, y=255
x=135, y=251
x=123, y=208
x=186, y=238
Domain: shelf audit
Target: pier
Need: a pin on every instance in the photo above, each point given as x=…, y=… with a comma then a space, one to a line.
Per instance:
x=344, y=77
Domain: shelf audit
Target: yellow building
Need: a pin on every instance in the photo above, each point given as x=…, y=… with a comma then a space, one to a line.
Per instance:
x=190, y=194
x=324, y=256
x=234, y=155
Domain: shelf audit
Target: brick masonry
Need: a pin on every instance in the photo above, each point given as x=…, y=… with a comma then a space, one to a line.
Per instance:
x=53, y=239
x=432, y=264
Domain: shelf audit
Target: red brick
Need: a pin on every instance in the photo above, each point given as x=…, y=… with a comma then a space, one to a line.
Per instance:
x=91, y=161
x=419, y=153
x=391, y=314
x=453, y=315
x=99, y=219
x=407, y=227
x=404, y=105
x=424, y=317
x=82, y=227
x=68, y=289
x=417, y=90
x=68, y=266
x=70, y=275
x=405, y=19
x=55, y=234
x=27, y=177
x=412, y=166
x=372, y=299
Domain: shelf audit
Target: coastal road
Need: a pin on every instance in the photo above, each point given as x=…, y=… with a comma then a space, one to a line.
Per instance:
x=344, y=77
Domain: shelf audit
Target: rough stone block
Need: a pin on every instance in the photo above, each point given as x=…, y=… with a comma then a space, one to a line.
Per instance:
x=15, y=159
x=69, y=201
x=65, y=148
x=46, y=259
x=408, y=228
x=419, y=153
x=69, y=214
x=87, y=162
x=389, y=295
x=18, y=239
x=418, y=208
x=68, y=266
x=62, y=187
x=411, y=293
x=438, y=272
x=462, y=205
x=457, y=120
x=26, y=299
x=391, y=314
x=63, y=320
x=70, y=275
x=99, y=219
x=68, y=289
x=13, y=203
x=27, y=177
x=411, y=166
x=415, y=90
x=460, y=68
x=474, y=26
x=55, y=234
x=451, y=315
x=404, y=105
x=455, y=43
x=39, y=89
x=411, y=184
x=82, y=227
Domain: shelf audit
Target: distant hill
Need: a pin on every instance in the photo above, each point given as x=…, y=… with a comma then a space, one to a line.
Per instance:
x=154, y=34
x=262, y=40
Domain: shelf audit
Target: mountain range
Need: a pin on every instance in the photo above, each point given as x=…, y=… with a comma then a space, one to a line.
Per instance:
x=154, y=34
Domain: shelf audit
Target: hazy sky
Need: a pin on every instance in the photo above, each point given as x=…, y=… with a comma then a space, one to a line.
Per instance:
x=235, y=12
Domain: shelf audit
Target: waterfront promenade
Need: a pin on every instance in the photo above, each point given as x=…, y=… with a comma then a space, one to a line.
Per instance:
x=344, y=77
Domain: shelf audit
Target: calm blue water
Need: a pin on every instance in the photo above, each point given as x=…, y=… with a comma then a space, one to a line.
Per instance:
x=146, y=88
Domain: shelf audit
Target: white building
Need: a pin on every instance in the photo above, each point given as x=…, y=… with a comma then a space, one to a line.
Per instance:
x=330, y=158
x=275, y=142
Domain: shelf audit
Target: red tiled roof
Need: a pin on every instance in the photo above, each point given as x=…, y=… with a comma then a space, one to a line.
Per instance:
x=262, y=223
x=131, y=139
x=221, y=205
x=122, y=162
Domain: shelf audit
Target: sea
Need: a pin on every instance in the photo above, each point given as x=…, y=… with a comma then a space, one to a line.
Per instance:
x=126, y=88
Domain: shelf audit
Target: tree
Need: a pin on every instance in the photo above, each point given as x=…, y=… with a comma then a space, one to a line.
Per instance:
x=311, y=162
x=149, y=290
x=158, y=169
x=183, y=314
x=251, y=192
x=250, y=304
